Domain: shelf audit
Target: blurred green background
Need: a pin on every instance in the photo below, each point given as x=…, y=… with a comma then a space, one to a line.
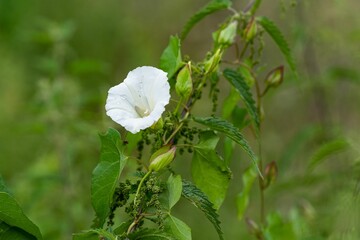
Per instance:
x=59, y=58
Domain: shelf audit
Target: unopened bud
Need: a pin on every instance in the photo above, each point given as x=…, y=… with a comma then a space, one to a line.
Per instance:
x=275, y=77
x=184, y=85
x=271, y=172
x=250, y=30
x=213, y=63
x=228, y=34
x=253, y=227
x=161, y=158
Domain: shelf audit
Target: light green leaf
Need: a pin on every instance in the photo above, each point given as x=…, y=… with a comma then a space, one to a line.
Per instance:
x=150, y=234
x=238, y=81
x=326, y=150
x=170, y=60
x=210, y=8
x=201, y=201
x=279, y=39
x=174, y=185
x=106, y=175
x=230, y=103
x=93, y=234
x=230, y=131
x=209, y=171
x=242, y=200
x=12, y=214
x=277, y=229
x=177, y=228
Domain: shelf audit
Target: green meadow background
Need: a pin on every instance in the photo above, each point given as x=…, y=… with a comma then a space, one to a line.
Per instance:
x=59, y=58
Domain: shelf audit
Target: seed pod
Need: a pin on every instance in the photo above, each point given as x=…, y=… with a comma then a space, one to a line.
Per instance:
x=250, y=30
x=271, y=172
x=213, y=63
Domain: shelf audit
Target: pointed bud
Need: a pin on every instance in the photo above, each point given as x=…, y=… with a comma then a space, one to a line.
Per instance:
x=250, y=30
x=228, y=34
x=253, y=227
x=213, y=63
x=161, y=158
x=275, y=77
x=184, y=85
x=271, y=172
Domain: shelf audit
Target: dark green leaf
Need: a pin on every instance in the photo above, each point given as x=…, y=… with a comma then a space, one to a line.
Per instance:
x=200, y=200
x=279, y=39
x=8, y=232
x=211, y=7
x=93, y=234
x=242, y=200
x=12, y=214
x=170, y=60
x=231, y=131
x=238, y=81
x=328, y=149
x=106, y=174
x=177, y=228
x=209, y=171
x=123, y=227
x=174, y=186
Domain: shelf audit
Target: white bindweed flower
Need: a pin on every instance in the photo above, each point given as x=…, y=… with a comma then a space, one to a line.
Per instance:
x=138, y=102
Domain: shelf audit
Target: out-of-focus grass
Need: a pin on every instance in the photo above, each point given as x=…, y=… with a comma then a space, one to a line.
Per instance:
x=58, y=59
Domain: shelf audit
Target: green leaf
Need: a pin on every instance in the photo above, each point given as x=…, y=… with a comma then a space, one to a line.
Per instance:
x=230, y=103
x=210, y=8
x=201, y=201
x=177, y=228
x=94, y=234
x=150, y=234
x=12, y=214
x=209, y=171
x=279, y=39
x=238, y=81
x=170, y=60
x=174, y=186
x=230, y=131
x=328, y=149
x=8, y=232
x=242, y=199
x=277, y=229
x=106, y=174
x=3, y=187
x=123, y=227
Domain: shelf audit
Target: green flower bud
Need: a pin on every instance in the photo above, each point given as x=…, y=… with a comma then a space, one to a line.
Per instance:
x=275, y=77
x=253, y=228
x=213, y=63
x=184, y=85
x=228, y=34
x=271, y=172
x=250, y=30
x=161, y=158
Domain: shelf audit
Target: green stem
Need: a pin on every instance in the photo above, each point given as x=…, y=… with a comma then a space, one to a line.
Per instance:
x=139, y=187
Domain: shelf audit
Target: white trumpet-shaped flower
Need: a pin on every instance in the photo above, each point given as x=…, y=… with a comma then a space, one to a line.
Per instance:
x=138, y=102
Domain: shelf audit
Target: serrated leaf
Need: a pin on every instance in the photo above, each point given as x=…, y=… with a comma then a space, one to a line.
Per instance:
x=326, y=150
x=230, y=131
x=177, y=228
x=242, y=199
x=150, y=234
x=93, y=234
x=279, y=39
x=174, y=185
x=170, y=60
x=123, y=227
x=210, y=8
x=209, y=171
x=230, y=103
x=12, y=214
x=201, y=201
x=238, y=81
x=106, y=174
